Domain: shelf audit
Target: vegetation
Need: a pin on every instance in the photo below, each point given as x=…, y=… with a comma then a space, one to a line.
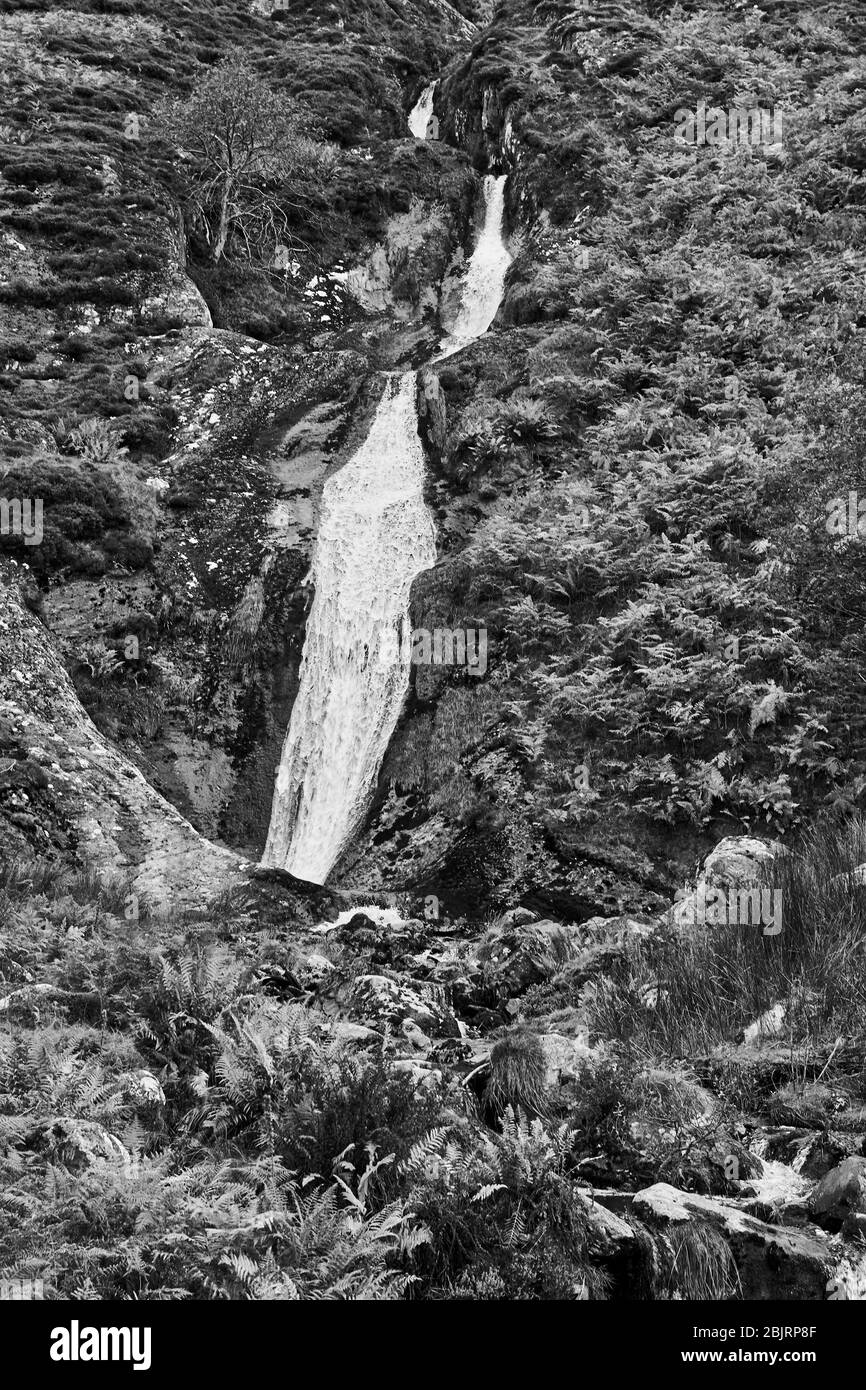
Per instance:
x=246, y=161
x=710, y=985
x=632, y=479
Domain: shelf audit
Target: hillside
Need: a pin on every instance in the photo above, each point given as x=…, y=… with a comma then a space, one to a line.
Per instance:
x=641, y=471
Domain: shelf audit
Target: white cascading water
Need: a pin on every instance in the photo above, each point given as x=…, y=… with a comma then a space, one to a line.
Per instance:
x=485, y=277
x=375, y=535
x=422, y=112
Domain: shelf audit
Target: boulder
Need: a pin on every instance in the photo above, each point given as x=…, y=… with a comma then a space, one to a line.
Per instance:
x=379, y=1000
x=432, y=418
x=423, y=1078
x=142, y=1090
x=314, y=970
x=80, y=1146
x=564, y=1058
x=772, y=1262
x=518, y=956
x=608, y=1235
x=346, y=1033
x=739, y=860
x=840, y=1193
x=517, y=917
x=769, y=1025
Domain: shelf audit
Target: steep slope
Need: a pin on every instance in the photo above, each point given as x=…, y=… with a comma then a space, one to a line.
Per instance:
x=179, y=464
x=643, y=461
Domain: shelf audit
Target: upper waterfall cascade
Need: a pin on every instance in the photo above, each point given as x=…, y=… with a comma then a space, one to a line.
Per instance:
x=421, y=114
x=375, y=536
x=485, y=277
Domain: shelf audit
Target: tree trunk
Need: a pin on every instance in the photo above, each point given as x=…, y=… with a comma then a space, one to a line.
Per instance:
x=222, y=234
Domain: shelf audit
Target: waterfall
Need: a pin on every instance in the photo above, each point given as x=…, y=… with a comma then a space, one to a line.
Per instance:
x=485, y=277
x=422, y=112
x=375, y=535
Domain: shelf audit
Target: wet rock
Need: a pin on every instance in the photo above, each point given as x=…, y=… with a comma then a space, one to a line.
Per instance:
x=360, y=922
x=609, y=1237
x=811, y=1153
x=382, y=942
x=432, y=419
x=523, y=304
x=840, y=1193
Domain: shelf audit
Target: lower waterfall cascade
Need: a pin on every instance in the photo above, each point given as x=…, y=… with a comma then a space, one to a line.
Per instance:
x=375, y=536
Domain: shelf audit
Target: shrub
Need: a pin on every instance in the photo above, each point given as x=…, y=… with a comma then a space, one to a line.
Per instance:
x=504, y=1218
x=96, y=441
x=517, y=1072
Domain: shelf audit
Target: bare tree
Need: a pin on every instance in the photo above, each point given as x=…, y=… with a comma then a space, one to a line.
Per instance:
x=247, y=159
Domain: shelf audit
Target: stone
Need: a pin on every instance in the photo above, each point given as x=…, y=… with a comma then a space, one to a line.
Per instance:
x=415, y=1036
x=80, y=1146
x=564, y=1058
x=432, y=416
x=424, y=1078
x=739, y=860
x=315, y=970
x=608, y=1236
x=840, y=1192
x=517, y=917
x=143, y=1090
x=346, y=1033
x=517, y=957
x=379, y=1000
x=772, y=1262
x=769, y=1025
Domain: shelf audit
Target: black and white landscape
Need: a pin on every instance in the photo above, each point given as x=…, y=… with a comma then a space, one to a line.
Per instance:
x=432, y=651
